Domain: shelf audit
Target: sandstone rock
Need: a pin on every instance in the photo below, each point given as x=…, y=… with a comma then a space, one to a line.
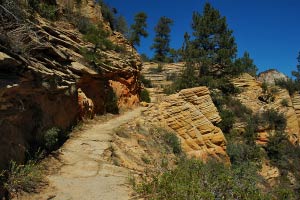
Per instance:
x=80, y=68
x=7, y=62
x=89, y=8
x=270, y=173
x=270, y=76
x=191, y=114
x=39, y=85
x=251, y=97
x=86, y=105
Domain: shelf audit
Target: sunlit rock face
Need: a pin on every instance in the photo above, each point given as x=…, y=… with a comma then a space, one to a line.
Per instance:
x=270, y=76
x=39, y=85
x=191, y=114
x=253, y=96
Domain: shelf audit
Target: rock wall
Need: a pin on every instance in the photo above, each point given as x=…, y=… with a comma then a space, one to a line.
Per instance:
x=254, y=98
x=192, y=114
x=270, y=76
x=41, y=72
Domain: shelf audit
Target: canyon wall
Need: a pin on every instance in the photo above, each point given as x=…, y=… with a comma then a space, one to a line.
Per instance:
x=45, y=81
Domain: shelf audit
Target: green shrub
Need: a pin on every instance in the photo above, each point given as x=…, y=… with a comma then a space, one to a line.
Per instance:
x=276, y=145
x=228, y=120
x=274, y=90
x=250, y=134
x=145, y=160
x=218, y=99
x=274, y=119
x=172, y=140
x=34, y=4
x=240, y=111
x=145, y=96
x=172, y=89
x=289, y=84
x=146, y=82
x=48, y=11
x=284, y=102
x=172, y=77
x=228, y=88
x=52, y=138
x=222, y=84
x=23, y=177
x=284, y=193
x=193, y=179
x=98, y=36
x=144, y=57
x=208, y=81
x=78, y=1
x=241, y=153
x=89, y=55
x=82, y=23
x=264, y=87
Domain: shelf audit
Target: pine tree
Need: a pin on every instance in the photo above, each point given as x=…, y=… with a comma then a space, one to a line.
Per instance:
x=174, y=55
x=121, y=25
x=138, y=29
x=186, y=47
x=244, y=65
x=297, y=73
x=162, y=39
x=213, y=46
x=188, y=78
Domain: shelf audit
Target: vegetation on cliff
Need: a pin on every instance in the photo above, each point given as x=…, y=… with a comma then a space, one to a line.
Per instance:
x=210, y=59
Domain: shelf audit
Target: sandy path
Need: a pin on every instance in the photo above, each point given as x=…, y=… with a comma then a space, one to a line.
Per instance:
x=82, y=173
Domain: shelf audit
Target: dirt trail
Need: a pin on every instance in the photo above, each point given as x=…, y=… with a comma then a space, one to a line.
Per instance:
x=82, y=173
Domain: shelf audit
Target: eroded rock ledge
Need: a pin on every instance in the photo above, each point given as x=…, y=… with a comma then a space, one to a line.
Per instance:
x=39, y=84
x=192, y=114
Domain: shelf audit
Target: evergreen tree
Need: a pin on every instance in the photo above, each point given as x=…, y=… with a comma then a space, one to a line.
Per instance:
x=144, y=57
x=297, y=73
x=121, y=25
x=107, y=13
x=174, y=55
x=188, y=79
x=244, y=64
x=185, y=49
x=162, y=39
x=138, y=29
x=213, y=46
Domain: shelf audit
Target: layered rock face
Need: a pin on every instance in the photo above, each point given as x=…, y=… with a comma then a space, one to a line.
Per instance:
x=41, y=72
x=160, y=78
x=89, y=8
x=254, y=98
x=270, y=76
x=192, y=114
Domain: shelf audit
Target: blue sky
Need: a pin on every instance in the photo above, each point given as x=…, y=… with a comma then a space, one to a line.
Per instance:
x=268, y=29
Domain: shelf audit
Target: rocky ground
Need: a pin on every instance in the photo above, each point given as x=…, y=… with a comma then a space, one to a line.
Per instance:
x=46, y=81
x=80, y=168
